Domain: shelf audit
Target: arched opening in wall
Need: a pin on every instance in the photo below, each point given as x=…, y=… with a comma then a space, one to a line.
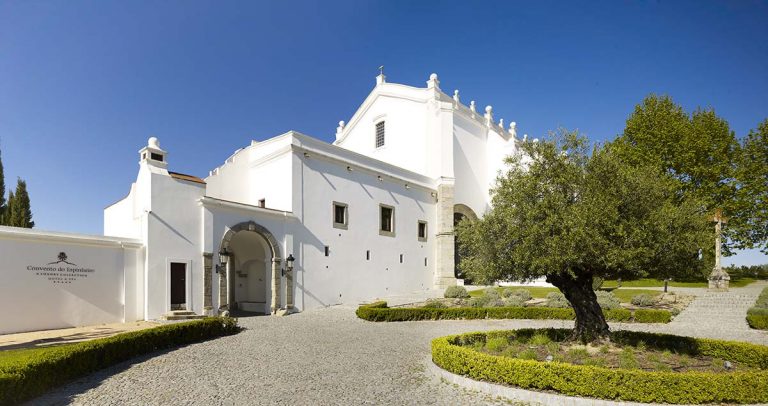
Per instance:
x=251, y=279
x=460, y=212
x=251, y=272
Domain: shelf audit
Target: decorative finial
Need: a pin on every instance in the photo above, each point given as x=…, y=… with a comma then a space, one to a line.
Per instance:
x=488, y=115
x=525, y=137
x=513, y=128
x=153, y=142
x=381, y=70
x=472, y=106
x=340, y=129
x=456, y=96
x=433, y=83
x=501, y=123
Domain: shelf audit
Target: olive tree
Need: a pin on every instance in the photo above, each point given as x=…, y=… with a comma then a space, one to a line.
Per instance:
x=570, y=214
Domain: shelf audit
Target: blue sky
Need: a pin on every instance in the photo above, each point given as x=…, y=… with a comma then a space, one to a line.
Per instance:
x=83, y=84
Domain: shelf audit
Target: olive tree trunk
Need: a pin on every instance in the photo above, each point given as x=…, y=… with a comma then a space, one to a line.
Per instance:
x=590, y=323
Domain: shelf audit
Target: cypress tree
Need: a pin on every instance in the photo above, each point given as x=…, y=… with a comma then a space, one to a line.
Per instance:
x=22, y=210
x=2, y=194
x=9, y=209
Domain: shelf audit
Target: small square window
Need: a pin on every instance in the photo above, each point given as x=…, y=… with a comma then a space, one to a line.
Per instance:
x=387, y=220
x=156, y=157
x=380, y=134
x=340, y=215
x=422, y=231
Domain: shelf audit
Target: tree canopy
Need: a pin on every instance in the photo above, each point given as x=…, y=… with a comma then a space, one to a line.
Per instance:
x=19, y=211
x=570, y=213
x=2, y=192
x=699, y=150
x=750, y=220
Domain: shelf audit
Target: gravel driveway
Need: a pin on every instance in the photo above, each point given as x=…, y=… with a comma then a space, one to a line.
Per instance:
x=322, y=357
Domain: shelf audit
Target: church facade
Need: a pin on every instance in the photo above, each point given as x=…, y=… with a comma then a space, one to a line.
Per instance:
x=292, y=222
x=285, y=224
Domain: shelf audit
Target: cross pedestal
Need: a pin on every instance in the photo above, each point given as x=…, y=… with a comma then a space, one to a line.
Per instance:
x=718, y=279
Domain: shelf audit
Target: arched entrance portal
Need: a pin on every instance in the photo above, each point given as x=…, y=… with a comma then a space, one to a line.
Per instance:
x=460, y=212
x=251, y=281
x=251, y=271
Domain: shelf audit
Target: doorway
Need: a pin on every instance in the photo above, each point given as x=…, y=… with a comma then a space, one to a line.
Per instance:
x=178, y=286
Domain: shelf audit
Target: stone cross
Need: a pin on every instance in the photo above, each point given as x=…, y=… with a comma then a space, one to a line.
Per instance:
x=719, y=279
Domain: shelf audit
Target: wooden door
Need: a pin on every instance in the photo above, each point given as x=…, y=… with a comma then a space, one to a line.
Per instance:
x=178, y=286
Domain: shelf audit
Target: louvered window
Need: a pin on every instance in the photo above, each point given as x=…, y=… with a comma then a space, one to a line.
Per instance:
x=379, y=134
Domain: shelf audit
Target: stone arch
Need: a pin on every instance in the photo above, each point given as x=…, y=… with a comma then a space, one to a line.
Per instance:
x=225, y=294
x=460, y=211
x=465, y=210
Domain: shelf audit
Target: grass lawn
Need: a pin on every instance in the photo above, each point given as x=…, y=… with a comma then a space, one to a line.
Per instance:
x=624, y=295
x=736, y=282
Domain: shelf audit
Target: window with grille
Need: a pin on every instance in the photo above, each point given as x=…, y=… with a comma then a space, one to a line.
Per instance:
x=387, y=223
x=380, y=134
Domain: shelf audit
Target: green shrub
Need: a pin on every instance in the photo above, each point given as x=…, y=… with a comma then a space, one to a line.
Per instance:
x=48, y=368
x=627, y=359
x=557, y=300
x=456, y=292
x=757, y=316
x=607, y=300
x=434, y=304
x=496, y=344
x=380, y=312
x=513, y=301
x=617, y=315
x=522, y=294
x=527, y=354
x=652, y=316
x=540, y=339
x=631, y=385
x=492, y=293
x=644, y=300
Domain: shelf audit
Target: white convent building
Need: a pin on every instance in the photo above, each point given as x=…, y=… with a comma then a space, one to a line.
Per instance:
x=293, y=223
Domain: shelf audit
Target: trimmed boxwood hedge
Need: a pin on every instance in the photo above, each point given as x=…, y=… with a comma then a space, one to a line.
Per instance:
x=757, y=316
x=48, y=368
x=378, y=311
x=614, y=384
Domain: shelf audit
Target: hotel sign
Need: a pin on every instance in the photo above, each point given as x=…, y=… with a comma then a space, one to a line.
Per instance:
x=61, y=271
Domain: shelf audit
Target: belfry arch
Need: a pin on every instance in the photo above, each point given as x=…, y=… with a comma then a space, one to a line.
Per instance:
x=227, y=282
x=460, y=212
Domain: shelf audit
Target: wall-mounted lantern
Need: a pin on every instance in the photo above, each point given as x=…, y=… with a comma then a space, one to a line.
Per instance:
x=288, y=264
x=223, y=259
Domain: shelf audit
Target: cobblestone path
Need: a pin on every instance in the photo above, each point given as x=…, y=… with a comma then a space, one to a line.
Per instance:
x=329, y=356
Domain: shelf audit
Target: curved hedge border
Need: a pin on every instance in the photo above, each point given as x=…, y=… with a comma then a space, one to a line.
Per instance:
x=38, y=373
x=757, y=316
x=378, y=311
x=614, y=384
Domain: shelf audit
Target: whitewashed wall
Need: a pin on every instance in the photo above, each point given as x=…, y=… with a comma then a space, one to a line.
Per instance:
x=346, y=276
x=101, y=283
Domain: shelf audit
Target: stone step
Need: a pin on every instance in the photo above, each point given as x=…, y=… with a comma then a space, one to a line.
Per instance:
x=180, y=313
x=182, y=317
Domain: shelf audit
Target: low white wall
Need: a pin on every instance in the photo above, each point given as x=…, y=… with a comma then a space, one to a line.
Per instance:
x=55, y=280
